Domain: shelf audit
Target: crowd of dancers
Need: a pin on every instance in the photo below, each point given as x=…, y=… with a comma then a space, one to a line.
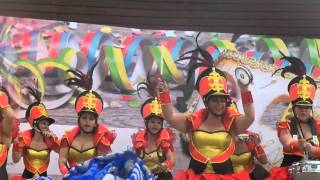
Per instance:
x=219, y=144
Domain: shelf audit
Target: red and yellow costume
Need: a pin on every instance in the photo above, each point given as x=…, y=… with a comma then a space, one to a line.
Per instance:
x=4, y=103
x=245, y=161
x=201, y=142
x=3, y=147
x=164, y=139
x=3, y=154
x=294, y=151
x=211, y=151
x=293, y=154
x=102, y=139
x=87, y=101
x=35, y=161
x=204, y=156
x=302, y=90
x=164, y=142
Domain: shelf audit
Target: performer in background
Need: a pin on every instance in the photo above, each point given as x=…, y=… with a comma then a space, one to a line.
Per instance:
x=9, y=127
x=210, y=129
x=35, y=144
x=154, y=144
x=89, y=138
x=248, y=148
x=300, y=132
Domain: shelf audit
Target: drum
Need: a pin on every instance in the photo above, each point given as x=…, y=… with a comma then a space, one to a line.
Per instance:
x=305, y=170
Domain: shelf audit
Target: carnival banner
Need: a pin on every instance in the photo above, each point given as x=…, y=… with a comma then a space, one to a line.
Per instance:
x=43, y=50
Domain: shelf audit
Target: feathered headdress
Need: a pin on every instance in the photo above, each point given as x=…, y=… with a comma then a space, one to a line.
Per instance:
x=152, y=106
x=302, y=88
x=211, y=81
x=36, y=111
x=87, y=101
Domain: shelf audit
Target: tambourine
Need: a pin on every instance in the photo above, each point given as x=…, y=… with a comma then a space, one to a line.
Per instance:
x=243, y=75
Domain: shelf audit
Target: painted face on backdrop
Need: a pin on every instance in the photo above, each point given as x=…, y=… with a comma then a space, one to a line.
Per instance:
x=303, y=113
x=217, y=105
x=154, y=125
x=87, y=122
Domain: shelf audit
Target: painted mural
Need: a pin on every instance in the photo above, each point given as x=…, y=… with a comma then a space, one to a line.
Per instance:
x=43, y=50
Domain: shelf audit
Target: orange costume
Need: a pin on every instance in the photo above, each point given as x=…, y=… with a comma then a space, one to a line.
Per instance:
x=210, y=151
x=3, y=147
x=164, y=142
x=208, y=162
x=245, y=161
x=87, y=101
x=293, y=152
x=163, y=139
x=36, y=161
x=102, y=138
x=302, y=90
x=4, y=102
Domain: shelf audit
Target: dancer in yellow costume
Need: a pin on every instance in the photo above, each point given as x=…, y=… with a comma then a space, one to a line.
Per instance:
x=300, y=132
x=210, y=129
x=35, y=144
x=8, y=129
x=154, y=144
x=89, y=138
x=248, y=149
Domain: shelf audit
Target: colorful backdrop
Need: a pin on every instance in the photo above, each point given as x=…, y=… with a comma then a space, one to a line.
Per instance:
x=43, y=50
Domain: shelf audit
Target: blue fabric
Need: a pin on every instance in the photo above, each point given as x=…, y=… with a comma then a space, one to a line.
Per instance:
x=126, y=166
x=43, y=178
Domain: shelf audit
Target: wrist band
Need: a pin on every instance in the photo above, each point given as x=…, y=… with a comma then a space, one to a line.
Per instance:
x=164, y=97
x=246, y=97
x=63, y=169
x=259, y=150
x=317, y=152
x=169, y=164
x=294, y=144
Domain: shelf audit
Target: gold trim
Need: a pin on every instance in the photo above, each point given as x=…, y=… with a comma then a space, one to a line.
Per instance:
x=156, y=107
x=242, y=59
x=216, y=82
x=304, y=89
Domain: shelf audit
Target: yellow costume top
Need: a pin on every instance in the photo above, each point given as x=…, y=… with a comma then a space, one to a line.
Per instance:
x=76, y=156
x=205, y=146
x=210, y=147
x=243, y=161
x=102, y=140
x=164, y=142
x=211, y=144
x=36, y=161
x=3, y=154
x=153, y=159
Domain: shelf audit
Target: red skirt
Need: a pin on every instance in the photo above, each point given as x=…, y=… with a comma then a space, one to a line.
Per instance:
x=280, y=173
x=190, y=175
x=17, y=178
